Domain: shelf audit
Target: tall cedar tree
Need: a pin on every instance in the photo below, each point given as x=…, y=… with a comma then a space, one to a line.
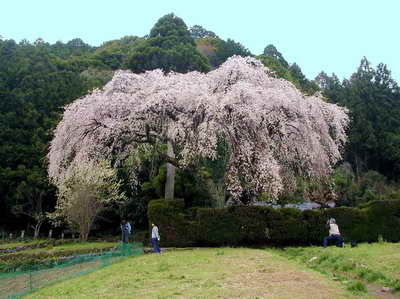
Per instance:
x=169, y=47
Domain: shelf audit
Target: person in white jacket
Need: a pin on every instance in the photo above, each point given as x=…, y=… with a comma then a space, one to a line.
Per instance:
x=155, y=238
x=334, y=234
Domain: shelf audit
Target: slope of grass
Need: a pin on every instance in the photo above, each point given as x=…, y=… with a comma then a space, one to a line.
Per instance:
x=28, y=258
x=200, y=273
x=377, y=263
x=11, y=245
x=74, y=246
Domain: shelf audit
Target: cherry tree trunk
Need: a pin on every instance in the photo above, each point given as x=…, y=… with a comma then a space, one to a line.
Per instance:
x=170, y=183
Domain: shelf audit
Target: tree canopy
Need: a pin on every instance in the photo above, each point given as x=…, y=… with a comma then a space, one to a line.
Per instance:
x=170, y=47
x=373, y=98
x=198, y=31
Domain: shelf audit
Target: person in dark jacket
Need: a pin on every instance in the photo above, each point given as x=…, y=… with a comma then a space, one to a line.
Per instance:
x=125, y=231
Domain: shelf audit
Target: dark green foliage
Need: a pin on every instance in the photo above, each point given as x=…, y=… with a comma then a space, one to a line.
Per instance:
x=301, y=81
x=171, y=26
x=218, y=51
x=75, y=47
x=271, y=51
x=373, y=98
x=114, y=54
x=169, y=47
x=280, y=70
x=371, y=185
x=220, y=226
x=198, y=31
x=252, y=225
x=330, y=85
x=374, y=101
x=191, y=185
x=273, y=59
x=35, y=82
x=226, y=49
x=384, y=220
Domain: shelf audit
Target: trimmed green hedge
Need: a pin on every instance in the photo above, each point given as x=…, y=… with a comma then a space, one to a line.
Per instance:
x=254, y=225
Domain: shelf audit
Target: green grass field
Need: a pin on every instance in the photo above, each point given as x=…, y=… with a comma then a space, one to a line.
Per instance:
x=372, y=265
x=296, y=272
x=200, y=273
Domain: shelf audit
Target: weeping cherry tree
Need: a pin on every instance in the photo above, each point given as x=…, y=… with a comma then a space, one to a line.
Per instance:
x=274, y=132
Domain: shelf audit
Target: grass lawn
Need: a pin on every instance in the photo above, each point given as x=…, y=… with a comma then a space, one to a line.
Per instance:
x=200, y=273
x=377, y=263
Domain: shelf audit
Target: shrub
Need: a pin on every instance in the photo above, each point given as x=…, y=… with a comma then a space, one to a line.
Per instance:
x=384, y=220
x=254, y=225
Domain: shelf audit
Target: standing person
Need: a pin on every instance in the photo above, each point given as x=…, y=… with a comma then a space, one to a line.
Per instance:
x=130, y=230
x=155, y=238
x=334, y=234
x=129, y=227
x=125, y=231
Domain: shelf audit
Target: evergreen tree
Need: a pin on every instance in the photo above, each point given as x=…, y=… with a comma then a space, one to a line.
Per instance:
x=198, y=31
x=373, y=98
x=271, y=51
x=169, y=47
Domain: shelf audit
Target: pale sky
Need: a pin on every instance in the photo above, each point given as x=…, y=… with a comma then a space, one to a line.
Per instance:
x=316, y=34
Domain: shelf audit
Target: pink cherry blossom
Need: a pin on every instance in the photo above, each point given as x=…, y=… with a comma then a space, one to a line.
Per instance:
x=274, y=132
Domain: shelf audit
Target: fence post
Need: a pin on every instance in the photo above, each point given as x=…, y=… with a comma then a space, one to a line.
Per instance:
x=11, y=236
x=30, y=279
x=50, y=233
x=22, y=234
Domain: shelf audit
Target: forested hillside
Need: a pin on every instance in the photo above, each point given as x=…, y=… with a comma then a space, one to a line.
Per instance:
x=37, y=80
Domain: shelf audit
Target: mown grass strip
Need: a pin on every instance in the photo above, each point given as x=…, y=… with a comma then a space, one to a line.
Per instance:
x=377, y=263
